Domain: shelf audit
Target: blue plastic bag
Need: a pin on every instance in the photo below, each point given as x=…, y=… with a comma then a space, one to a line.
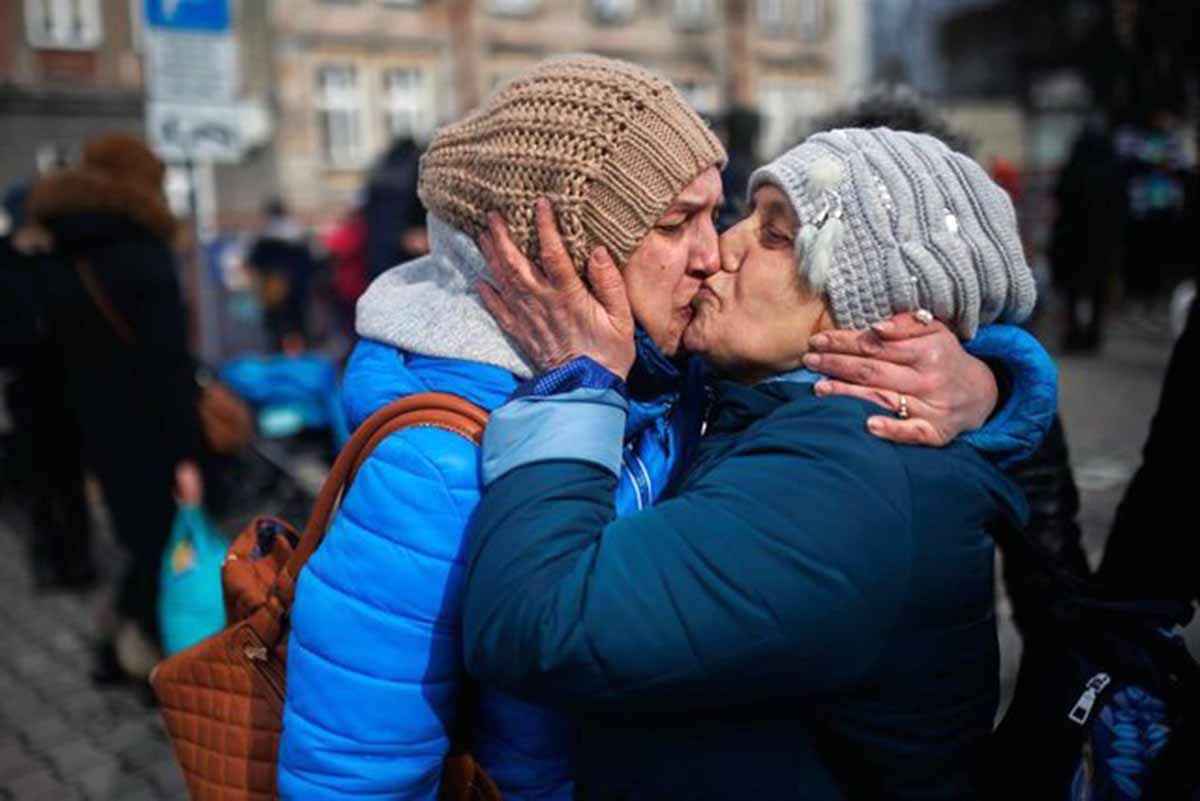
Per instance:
x=191, y=605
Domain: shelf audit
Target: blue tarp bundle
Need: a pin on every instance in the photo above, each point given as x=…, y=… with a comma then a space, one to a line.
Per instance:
x=289, y=393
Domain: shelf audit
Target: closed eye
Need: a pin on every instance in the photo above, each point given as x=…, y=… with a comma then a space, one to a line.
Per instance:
x=774, y=239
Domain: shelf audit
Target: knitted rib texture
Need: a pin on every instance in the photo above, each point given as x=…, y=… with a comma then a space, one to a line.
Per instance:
x=923, y=227
x=608, y=142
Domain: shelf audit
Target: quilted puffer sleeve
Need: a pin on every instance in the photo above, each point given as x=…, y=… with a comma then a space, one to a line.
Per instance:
x=1016, y=430
x=374, y=653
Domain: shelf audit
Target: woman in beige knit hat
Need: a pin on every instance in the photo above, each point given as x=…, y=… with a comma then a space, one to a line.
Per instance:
x=628, y=166
x=376, y=620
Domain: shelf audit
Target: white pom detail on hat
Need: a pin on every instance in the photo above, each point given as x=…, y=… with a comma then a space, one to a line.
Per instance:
x=817, y=239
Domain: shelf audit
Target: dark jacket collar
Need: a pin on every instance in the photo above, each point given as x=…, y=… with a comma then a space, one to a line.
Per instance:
x=653, y=374
x=737, y=406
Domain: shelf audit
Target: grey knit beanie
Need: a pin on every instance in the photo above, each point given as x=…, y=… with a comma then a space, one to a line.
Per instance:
x=894, y=221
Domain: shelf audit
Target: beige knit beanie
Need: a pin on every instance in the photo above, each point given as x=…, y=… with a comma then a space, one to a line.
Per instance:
x=610, y=143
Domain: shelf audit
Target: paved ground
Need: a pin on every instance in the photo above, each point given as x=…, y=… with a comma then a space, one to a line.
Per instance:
x=61, y=738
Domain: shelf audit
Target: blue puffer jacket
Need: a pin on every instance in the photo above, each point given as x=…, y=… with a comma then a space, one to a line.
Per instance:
x=374, y=655
x=375, y=649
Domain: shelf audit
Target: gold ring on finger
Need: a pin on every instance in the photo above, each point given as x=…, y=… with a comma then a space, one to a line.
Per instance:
x=903, y=411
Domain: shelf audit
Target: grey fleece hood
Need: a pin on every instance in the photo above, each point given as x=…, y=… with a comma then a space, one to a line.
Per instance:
x=430, y=306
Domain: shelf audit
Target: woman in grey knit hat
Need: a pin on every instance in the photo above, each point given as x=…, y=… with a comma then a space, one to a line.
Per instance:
x=810, y=613
x=876, y=222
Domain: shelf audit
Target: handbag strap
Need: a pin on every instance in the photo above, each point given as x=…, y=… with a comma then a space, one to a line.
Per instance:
x=424, y=410
x=121, y=327
x=91, y=285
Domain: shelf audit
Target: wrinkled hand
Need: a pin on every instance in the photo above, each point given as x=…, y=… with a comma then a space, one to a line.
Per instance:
x=947, y=390
x=547, y=308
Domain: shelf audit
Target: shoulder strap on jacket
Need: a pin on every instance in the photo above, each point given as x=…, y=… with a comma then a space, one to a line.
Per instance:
x=425, y=410
x=91, y=285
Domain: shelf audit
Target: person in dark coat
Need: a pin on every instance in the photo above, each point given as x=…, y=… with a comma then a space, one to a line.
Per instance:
x=44, y=462
x=283, y=261
x=1152, y=550
x=810, y=616
x=740, y=129
x=394, y=214
x=1086, y=242
x=117, y=316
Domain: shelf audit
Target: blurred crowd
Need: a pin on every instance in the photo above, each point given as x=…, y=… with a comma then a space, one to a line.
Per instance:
x=1124, y=201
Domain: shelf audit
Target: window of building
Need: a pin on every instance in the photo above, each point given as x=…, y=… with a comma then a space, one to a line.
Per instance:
x=339, y=105
x=811, y=19
x=514, y=8
x=773, y=17
x=408, y=102
x=613, y=12
x=692, y=15
x=63, y=24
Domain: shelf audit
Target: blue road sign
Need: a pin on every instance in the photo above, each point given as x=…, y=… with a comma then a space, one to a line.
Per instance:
x=207, y=16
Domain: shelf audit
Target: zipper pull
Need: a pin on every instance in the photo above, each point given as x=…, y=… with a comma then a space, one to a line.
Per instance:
x=1083, y=707
x=255, y=653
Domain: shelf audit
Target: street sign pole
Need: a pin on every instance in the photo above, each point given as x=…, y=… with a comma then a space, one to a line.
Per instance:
x=192, y=82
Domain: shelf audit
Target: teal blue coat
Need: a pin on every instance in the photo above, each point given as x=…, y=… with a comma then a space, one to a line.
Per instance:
x=810, y=616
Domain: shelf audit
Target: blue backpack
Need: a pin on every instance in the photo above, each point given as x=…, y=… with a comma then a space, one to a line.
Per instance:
x=1107, y=702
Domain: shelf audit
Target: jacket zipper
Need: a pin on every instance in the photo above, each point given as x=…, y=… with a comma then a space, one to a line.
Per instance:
x=640, y=478
x=1083, y=707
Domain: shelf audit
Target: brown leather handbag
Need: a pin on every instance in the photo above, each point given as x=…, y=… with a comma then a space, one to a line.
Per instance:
x=225, y=419
x=222, y=699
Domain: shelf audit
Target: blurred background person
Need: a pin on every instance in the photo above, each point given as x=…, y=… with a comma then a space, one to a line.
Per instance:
x=345, y=244
x=739, y=131
x=117, y=317
x=394, y=215
x=1157, y=167
x=44, y=464
x=284, y=264
x=1088, y=234
x=1006, y=174
x=900, y=107
x=1152, y=548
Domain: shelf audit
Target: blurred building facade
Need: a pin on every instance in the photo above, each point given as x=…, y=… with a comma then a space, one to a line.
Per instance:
x=341, y=79
x=67, y=71
x=352, y=76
